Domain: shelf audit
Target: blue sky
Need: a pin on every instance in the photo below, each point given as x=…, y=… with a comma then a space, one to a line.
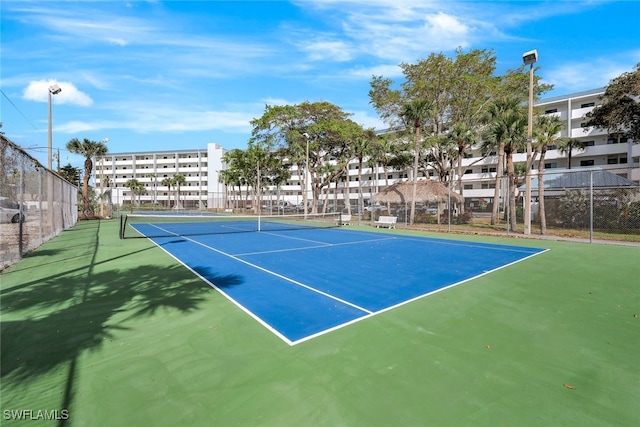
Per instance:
x=153, y=75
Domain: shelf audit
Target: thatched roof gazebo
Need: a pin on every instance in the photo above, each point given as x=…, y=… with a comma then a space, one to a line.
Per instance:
x=427, y=191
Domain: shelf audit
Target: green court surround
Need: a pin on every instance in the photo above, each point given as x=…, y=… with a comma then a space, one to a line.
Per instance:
x=119, y=334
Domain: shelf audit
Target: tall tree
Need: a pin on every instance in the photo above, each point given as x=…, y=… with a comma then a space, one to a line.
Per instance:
x=320, y=129
x=168, y=182
x=383, y=153
x=415, y=114
x=461, y=88
x=362, y=148
x=70, y=173
x=464, y=137
x=620, y=111
x=154, y=181
x=88, y=149
x=136, y=188
x=506, y=131
x=568, y=146
x=238, y=170
x=546, y=132
x=178, y=180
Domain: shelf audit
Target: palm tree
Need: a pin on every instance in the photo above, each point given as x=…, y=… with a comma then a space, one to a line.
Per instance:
x=415, y=114
x=545, y=133
x=507, y=130
x=133, y=185
x=88, y=149
x=362, y=148
x=168, y=182
x=178, y=179
x=495, y=138
x=107, y=194
x=464, y=137
x=516, y=139
x=383, y=154
x=567, y=145
x=155, y=186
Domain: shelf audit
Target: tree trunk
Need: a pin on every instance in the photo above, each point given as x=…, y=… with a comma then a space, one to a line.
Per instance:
x=416, y=158
x=496, y=191
x=512, y=192
x=460, y=156
x=541, y=209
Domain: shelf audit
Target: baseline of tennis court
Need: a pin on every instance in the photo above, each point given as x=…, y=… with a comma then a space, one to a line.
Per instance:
x=304, y=283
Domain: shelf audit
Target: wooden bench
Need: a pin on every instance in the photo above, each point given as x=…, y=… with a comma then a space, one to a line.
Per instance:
x=386, y=221
x=344, y=219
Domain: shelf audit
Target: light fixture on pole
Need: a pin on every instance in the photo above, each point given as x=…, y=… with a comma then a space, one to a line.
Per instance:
x=529, y=58
x=54, y=89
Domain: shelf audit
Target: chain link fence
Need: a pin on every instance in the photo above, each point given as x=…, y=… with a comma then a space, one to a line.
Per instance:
x=35, y=203
x=584, y=203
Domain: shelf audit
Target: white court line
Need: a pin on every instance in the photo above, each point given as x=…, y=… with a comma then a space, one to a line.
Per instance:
x=273, y=273
x=496, y=246
x=322, y=245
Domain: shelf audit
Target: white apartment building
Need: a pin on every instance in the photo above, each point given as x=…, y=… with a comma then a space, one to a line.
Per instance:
x=618, y=156
x=203, y=190
x=200, y=167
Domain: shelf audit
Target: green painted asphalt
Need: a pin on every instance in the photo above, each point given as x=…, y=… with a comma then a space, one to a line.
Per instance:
x=117, y=333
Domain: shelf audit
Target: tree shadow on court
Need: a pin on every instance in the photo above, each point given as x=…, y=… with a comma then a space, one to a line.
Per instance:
x=74, y=313
x=59, y=318
x=210, y=274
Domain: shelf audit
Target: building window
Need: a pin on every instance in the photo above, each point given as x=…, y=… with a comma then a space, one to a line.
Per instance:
x=623, y=159
x=485, y=170
x=551, y=111
x=588, y=104
x=468, y=186
x=589, y=143
x=612, y=160
x=468, y=171
x=551, y=165
x=586, y=163
x=493, y=170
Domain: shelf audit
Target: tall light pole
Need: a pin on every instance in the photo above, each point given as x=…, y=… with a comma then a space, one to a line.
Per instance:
x=529, y=58
x=104, y=141
x=306, y=175
x=54, y=89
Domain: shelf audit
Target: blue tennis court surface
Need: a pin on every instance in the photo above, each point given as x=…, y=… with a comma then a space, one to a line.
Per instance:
x=303, y=283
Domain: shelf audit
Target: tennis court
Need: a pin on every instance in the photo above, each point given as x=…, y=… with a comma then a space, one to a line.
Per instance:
x=118, y=332
x=302, y=277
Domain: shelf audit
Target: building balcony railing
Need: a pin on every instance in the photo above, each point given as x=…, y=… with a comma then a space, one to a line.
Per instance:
x=582, y=132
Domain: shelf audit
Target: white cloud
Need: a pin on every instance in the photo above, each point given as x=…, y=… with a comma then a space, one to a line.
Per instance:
x=387, y=71
x=38, y=90
x=442, y=23
x=328, y=50
x=145, y=118
x=597, y=72
x=367, y=121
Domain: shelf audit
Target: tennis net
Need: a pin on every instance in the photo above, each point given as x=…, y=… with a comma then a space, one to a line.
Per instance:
x=167, y=225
